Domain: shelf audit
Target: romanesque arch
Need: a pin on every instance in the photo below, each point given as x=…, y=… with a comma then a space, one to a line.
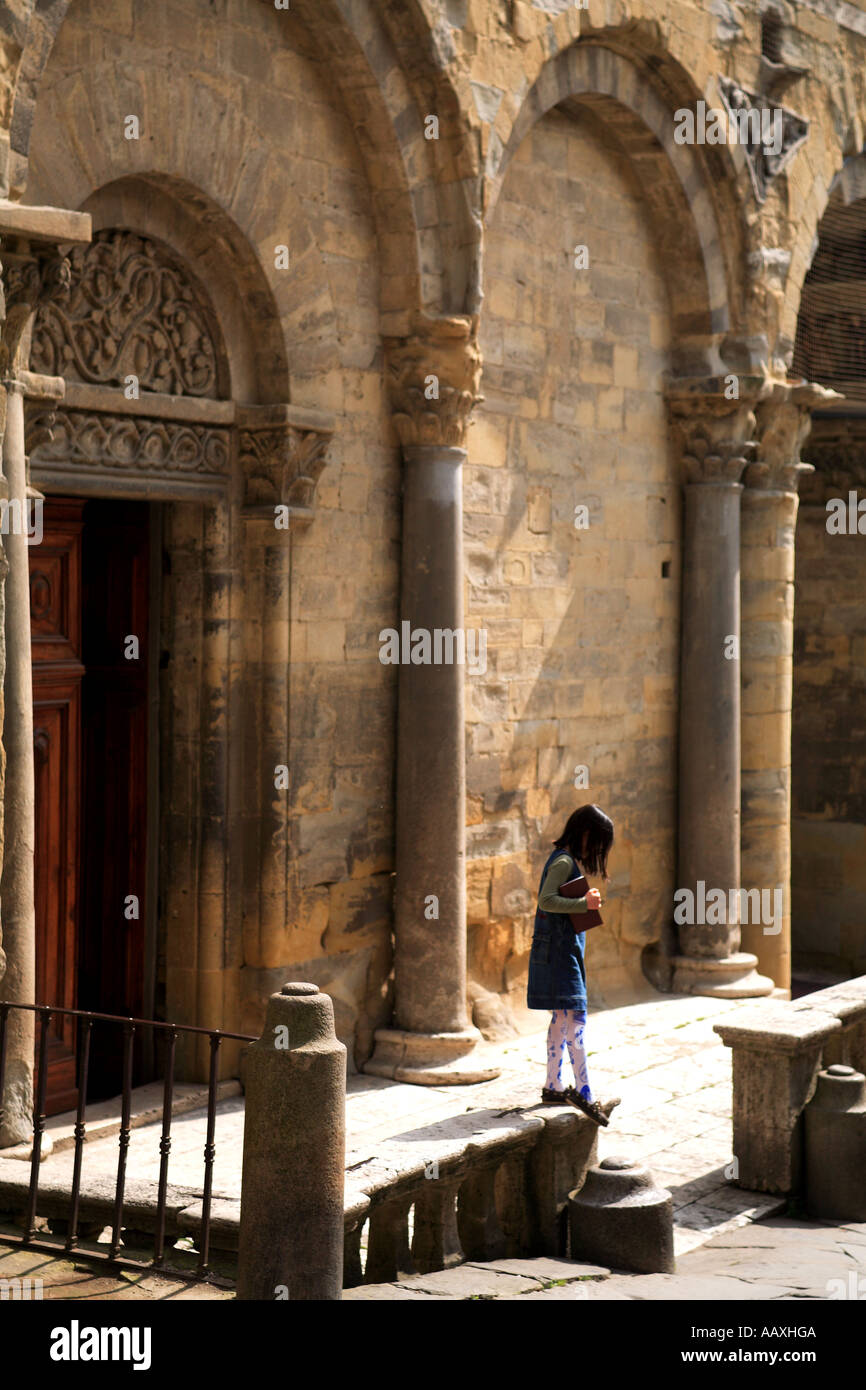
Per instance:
x=151, y=411
x=701, y=240
x=387, y=72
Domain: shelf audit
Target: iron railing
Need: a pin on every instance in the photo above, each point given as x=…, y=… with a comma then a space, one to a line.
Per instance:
x=31, y=1237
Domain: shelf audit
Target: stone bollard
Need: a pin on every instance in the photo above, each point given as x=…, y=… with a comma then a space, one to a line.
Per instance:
x=619, y=1218
x=836, y=1145
x=291, y=1224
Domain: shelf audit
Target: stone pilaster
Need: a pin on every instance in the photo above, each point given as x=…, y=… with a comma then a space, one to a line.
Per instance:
x=434, y=377
x=32, y=271
x=769, y=518
x=282, y=453
x=716, y=435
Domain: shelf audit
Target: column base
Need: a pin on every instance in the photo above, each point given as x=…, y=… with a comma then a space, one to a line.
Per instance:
x=733, y=977
x=429, y=1059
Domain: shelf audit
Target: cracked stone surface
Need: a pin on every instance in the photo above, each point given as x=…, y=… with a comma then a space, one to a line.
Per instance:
x=778, y=1259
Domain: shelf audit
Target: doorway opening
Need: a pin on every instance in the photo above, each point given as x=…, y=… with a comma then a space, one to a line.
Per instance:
x=94, y=698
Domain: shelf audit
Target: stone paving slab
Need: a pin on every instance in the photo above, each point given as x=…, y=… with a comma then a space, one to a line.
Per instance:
x=78, y=1279
x=777, y=1259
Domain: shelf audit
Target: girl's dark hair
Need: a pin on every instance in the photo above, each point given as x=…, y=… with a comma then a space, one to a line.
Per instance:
x=598, y=828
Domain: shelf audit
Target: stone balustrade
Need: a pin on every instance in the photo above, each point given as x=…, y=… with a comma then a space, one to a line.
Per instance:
x=778, y=1050
x=480, y=1187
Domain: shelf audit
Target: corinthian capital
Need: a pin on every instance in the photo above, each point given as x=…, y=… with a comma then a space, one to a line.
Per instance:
x=716, y=435
x=27, y=279
x=784, y=424
x=434, y=376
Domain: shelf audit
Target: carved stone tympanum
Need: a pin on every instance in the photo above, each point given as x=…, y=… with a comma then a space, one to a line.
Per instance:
x=131, y=311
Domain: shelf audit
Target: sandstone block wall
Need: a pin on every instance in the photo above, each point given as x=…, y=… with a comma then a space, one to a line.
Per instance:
x=582, y=623
x=829, y=718
x=305, y=128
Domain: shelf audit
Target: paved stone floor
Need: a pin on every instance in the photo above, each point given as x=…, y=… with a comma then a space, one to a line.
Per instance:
x=777, y=1259
x=52, y=1277
x=660, y=1056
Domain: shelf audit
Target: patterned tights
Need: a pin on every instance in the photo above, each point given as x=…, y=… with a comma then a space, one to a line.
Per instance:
x=566, y=1031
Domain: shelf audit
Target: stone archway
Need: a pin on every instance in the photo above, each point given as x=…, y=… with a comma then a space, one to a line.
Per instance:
x=147, y=411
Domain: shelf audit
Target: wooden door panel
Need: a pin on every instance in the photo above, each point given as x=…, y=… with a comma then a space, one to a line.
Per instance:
x=55, y=598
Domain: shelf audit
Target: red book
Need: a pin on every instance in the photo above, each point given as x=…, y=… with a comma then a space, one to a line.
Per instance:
x=578, y=888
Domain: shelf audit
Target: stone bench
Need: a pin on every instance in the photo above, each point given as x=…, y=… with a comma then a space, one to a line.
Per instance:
x=778, y=1049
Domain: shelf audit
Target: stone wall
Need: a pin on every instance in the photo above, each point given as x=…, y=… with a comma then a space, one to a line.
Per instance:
x=829, y=717
x=582, y=622
x=239, y=117
x=305, y=128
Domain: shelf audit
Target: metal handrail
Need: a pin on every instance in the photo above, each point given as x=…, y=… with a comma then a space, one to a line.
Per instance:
x=130, y=1026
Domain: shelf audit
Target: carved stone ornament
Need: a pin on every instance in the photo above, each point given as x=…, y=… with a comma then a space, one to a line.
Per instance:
x=28, y=280
x=434, y=377
x=764, y=161
x=716, y=438
x=281, y=465
x=784, y=423
x=131, y=311
x=130, y=442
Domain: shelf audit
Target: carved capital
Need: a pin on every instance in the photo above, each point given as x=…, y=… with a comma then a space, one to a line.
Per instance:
x=434, y=377
x=716, y=436
x=281, y=465
x=29, y=280
x=784, y=421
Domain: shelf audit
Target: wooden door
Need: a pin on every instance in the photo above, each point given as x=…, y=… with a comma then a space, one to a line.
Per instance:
x=89, y=587
x=55, y=618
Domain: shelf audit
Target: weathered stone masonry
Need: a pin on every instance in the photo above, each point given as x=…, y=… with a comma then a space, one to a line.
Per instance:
x=602, y=387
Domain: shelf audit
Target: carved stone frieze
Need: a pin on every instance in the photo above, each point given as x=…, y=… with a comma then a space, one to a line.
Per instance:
x=130, y=442
x=434, y=376
x=131, y=310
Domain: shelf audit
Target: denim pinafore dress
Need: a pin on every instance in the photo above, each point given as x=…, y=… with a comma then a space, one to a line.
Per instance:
x=557, y=978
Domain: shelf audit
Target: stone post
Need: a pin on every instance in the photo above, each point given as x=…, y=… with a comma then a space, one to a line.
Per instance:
x=291, y=1225
x=769, y=518
x=434, y=378
x=716, y=434
x=32, y=271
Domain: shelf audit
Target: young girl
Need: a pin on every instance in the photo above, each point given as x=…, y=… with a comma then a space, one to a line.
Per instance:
x=557, y=978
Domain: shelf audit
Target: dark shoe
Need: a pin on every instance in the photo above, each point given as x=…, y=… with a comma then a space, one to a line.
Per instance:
x=589, y=1107
x=549, y=1097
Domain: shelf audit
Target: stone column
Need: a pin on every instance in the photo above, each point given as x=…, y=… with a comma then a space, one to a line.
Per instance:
x=716, y=433
x=434, y=378
x=31, y=271
x=16, y=886
x=769, y=518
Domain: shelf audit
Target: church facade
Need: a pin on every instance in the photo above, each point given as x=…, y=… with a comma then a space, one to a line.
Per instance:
x=408, y=400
